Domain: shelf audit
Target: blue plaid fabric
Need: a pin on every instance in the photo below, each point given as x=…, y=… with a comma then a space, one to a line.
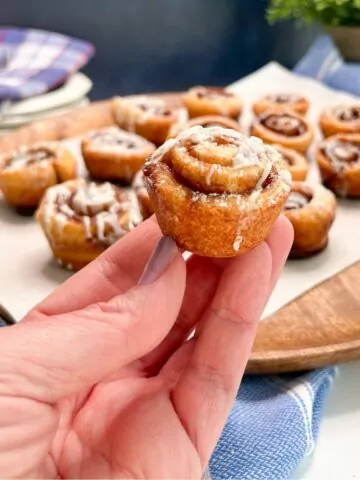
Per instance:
x=324, y=63
x=32, y=62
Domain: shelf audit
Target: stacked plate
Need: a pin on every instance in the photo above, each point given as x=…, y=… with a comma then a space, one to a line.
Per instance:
x=73, y=93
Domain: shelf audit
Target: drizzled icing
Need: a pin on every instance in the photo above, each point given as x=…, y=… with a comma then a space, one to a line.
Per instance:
x=282, y=98
x=297, y=199
x=347, y=113
x=105, y=211
x=27, y=157
x=284, y=123
x=342, y=154
x=212, y=93
x=116, y=138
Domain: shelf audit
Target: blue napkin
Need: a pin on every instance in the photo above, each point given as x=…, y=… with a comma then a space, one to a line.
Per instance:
x=273, y=425
x=324, y=63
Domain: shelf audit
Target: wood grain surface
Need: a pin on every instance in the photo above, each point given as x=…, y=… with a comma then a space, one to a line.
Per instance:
x=320, y=328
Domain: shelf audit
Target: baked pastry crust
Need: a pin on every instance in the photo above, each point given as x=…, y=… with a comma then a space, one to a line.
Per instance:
x=297, y=164
x=26, y=173
x=149, y=117
x=204, y=121
x=114, y=154
x=340, y=119
x=311, y=209
x=338, y=158
x=293, y=102
x=80, y=220
x=145, y=203
x=215, y=191
x=201, y=101
x=284, y=127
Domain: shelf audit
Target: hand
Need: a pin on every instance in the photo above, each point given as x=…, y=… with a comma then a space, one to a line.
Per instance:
x=100, y=381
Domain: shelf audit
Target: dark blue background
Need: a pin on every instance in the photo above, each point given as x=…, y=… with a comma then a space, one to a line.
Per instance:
x=157, y=45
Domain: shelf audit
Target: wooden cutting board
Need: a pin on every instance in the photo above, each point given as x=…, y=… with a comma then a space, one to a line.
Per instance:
x=320, y=328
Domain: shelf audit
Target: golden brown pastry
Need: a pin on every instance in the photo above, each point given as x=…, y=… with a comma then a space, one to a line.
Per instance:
x=297, y=163
x=80, y=220
x=114, y=154
x=284, y=127
x=215, y=191
x=142, y=195
x=293, y=102
x=205, y=121
x=338, y=158
x=340, y=119
x=311, y=210
x=150, y=117
x=201, y=101
x=26, y=173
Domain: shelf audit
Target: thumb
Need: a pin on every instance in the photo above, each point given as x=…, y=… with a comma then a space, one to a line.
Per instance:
x=50, y=359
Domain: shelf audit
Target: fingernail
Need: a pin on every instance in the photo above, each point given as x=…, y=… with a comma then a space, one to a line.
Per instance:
x=161, y=258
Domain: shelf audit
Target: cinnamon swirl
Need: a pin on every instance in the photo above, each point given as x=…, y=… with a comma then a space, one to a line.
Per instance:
x=80, y=220
x=293, y=102
x=204, y=121
x=340, y=119
x=311, y=210
x=142, y=195
x=285, y=128
x=26, y=173
x=201, y=101
x=215, y=191
x=297, y=163
x=150, y=117
x=114, y=154
x=338, y=158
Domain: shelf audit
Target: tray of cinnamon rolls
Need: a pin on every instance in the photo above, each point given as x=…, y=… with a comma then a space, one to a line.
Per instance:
x=217, y=166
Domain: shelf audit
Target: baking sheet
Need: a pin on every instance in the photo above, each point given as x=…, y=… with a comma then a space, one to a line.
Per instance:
x=28, y=273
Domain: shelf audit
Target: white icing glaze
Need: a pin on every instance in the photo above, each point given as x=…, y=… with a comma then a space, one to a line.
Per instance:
x=237, y=242
x=113, y=138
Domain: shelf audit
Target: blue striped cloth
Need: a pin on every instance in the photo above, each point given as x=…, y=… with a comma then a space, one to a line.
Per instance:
x=324, y=63
x=32, y=62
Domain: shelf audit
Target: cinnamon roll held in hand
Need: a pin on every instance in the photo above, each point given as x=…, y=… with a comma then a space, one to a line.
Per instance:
x=204, y=121
x=311, y=210
x=340, y=119
x=284, y=127
x=297, y=163
x=216, y=192
x=145, y=203
x=114, y=154
x=293, y=102
x=338, y=158
x=150, y=117
x=80, y=220
x=26, y=173
x=201, y=101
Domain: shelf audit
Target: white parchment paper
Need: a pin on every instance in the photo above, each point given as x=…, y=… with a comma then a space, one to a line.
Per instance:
x=28, y=273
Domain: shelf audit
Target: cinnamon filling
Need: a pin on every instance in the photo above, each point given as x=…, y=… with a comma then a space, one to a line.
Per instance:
x=284, y=124
x=154, y=109
x=342, y=153
x=29, y=157
x=298, y=199
x=348, y=114
x=282, y=98
x=213, y=93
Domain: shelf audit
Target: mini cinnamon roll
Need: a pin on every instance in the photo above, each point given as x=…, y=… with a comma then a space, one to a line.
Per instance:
x=297, y=163
x=201, y=101
x=285, y=128
x=80, y=220
x=293, y=102
x=215, y=191
x=114, y=154
x=142, y=195
x=340, y=119
x=150, y=117
x=205, y=121
x=26, y=173
x=311, y=210
x=338, y=158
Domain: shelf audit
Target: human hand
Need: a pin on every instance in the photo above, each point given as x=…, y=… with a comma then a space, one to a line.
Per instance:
x=100, y=379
